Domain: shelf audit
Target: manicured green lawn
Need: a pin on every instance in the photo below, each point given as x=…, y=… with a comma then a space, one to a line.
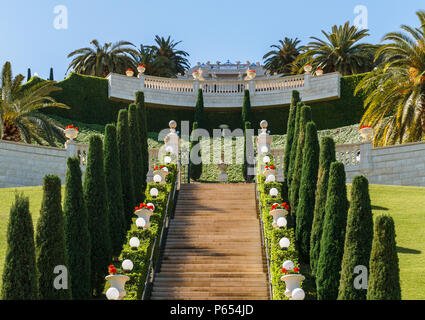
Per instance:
x=405, y=204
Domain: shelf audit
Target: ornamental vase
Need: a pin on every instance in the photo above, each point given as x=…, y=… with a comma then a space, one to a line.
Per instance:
x=366, y=133
x=146, y=215
x=71, y=133
x=278, y=213
x=292, y=281
x=118, y=282
x=162, y=173
x=269, y=172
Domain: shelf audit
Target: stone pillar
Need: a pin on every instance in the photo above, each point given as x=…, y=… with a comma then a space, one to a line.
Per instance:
x=264, y=139
x=251, y=86
x=71, y=148
x=141, y=77
x=196, y=86
x=307, y=82
x=366, y=163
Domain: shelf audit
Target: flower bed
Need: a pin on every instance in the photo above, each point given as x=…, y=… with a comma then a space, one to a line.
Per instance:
x=277, y=255
x=141, y=256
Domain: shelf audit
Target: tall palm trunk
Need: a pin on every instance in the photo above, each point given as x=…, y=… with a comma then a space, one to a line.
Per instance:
x=11, y=132
x=422, y=102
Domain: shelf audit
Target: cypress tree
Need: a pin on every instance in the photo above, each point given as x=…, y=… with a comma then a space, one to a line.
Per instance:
x=143, y=125
x=305, y=210
x=247, y=150
x=51, y=77
x=327, y=156
x=136, y=151
x=333, y=236
x=199, y=110
x=29, y=74
x=293, y=151
x=290, y=132
x=384, y=278
x=20, y=273
x=358, y=239
x=305, y=117
x=114, y=202
x=94, y=195
x=77, y=236
x=123, y=139
x=50, y=241
x=246, y=109
x=195, y=169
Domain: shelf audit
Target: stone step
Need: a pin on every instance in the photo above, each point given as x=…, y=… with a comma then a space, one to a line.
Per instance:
x=215, y=267
x=202, y=295
x=222, y=289
x=210, y=276
x=208, y=260
x=226, y=282
x=209, y=298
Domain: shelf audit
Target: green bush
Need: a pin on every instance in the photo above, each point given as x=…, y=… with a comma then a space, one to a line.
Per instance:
x=143, y=125
x=333, y=236
x=305, y=117
x=77, y=236
x=294, y=146
x=88, y=98
x=126, y=162
x=246, y=167
x=358, y=239
x=136, y=152
x=246, y=109
x=195, y=169
x=327, y=156
x=50, y=241
x=20, y=273
x=114, y=201
x=384, y=277
x=95, y=197
x=305, y=209
x=199, y=110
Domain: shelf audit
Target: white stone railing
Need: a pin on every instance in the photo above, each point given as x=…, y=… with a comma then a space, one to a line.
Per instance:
x=348, y=154
x=224, y=93
x=278, y=155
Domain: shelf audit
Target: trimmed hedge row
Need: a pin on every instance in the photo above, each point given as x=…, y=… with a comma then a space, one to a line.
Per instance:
x=88, y=98
x=140, y=256
x=276, y=255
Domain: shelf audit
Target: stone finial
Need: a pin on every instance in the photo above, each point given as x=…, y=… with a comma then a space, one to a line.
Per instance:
x=264, y=124
x=173, y=125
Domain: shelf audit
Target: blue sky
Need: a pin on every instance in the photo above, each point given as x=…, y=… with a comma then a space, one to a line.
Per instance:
x=210, y=30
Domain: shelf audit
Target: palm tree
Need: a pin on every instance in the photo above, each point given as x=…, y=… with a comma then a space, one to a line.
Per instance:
x=168, y=58
x=396, y=88
x=101, y=60
x=340, y=51
x=19, y=110
x=282, y=58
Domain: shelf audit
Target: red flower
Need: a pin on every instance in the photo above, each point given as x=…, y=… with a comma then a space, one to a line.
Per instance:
x=111, y=266
x=112, y=270
x=129, y=69
x=284, y=270
x=297, y=269
x=362, y=127
x=272, y=167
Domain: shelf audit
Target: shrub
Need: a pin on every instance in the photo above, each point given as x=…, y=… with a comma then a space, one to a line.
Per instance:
x=333, y=236
x=199, y=110
x=358, y=239
x=246, y=167
x=95, y=197
x=305, y=117
x=50, y=241
x=305, y=210
x=143, y=125
x=20, y=274
x=293, y=151
x=77, y=236
x=384, y=278
x=195, y=169
x=327, y=156
x=126, y=163
x=246, y=109
x=114, y=201
x=136, y=152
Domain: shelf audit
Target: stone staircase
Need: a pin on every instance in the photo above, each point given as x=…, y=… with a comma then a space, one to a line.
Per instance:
x=213, y=249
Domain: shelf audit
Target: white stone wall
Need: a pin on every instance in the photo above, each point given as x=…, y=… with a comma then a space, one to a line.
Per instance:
x=393, y=165
x=24, y=165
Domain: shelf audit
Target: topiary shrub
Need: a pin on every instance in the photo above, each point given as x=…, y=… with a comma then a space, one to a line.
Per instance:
x=333, y=236
x=294, y=146
x=327, y=156
x=20, y=273
x=195, y=169
x=247, y=150
x=199, y=116
x=126, y=163
x=114, y=201
x=77, y=236
x=305, y=117
x=384, y=278
x=143, y=125
x=136, y=152
x=50, y=241
x=358, y=239
x=246, y=109
x=305, y=209
x=95, y=197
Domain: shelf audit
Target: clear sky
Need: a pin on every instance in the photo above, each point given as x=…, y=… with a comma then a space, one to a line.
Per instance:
x=238, y=30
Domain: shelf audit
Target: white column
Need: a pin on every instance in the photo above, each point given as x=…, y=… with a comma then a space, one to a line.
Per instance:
x=366, y=163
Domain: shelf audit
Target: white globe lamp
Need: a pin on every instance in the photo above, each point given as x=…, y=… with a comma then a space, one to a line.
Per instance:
x=264, y=149
x=274, y=192
x=152, y=205
x=154, y=192
x=270, y=178
x=112, y=294
x=127, y=265
x=157, y=178
x=134, y=242
x=298, y=294
x=266, y=159
x=284, y=243
x=169, y=149
x=281, y=222
x=167, y=159
x=140, y=223
x=288, y=265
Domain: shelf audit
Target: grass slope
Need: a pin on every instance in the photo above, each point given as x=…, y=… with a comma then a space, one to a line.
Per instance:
x=403, y=203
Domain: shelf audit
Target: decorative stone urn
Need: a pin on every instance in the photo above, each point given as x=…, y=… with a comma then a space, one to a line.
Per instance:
x=292, y=281
x=278, y=213
x=118, y=282
x=146, y=215
x=269, y=172
x=129, y=73
x=162, y=172
x=141, y=68
x=71, y=133
x=367, y=133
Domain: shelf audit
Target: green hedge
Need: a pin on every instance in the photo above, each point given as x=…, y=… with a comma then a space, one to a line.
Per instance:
x=140, y=256
x=276, y=255
x=88, y=98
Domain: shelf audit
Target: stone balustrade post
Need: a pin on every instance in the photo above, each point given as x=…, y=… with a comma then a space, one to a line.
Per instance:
x=251, y=87
x=366, y=163
x=264, y=139
x=71, y=149
x=196, y=86
x=141, y=77
x=307, y=81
